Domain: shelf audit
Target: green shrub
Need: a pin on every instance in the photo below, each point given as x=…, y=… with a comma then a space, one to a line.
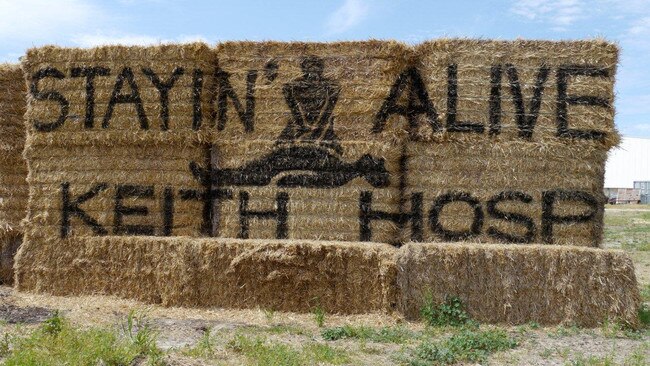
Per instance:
x=449, y=313
x=54, y=324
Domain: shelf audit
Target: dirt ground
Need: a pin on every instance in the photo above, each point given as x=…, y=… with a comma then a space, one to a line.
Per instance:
x=180, y=330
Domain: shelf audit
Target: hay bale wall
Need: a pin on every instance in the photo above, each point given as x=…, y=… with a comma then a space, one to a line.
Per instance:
x=352, y=141
x=309, y=137
x=280, y=275
x=13, y=169
x=519, y=148
x=517, y=284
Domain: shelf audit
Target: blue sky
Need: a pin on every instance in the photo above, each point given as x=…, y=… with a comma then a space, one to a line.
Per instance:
x=86, y=23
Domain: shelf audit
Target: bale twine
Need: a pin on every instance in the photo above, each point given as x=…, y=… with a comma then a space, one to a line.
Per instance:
x=518, y=148
x=14, y=190
x=282, y=275
x=111, y=132
x=307, y=152
x=518, y=284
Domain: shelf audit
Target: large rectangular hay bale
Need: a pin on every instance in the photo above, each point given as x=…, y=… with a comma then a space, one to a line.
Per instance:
x=309, y=143
x=181, y=271
x=14, y=190
x=519, y=148
x=111, y=134
x=518, y=284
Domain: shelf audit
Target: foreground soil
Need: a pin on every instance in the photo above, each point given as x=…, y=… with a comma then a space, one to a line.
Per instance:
x=179, y=331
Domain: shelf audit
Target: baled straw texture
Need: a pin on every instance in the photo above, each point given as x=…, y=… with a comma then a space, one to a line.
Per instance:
x=315, y=106
x=497, y=283
x=280, y=275
x=524, y=131
x=121, y=156
x=516, y=284
x=14, y=190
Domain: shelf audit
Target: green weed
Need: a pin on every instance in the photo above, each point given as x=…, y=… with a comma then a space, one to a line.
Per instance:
x=449, y=313
x=54, y=324
x=323, y=353
x=381, y=335
x=142, y=335
x=204, y=348
x=269, y=314
x=319, y=316
x=469, y=345
x=286, y=329
x=259, y=351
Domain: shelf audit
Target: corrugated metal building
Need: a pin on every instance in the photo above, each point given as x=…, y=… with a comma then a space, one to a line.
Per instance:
x=628, y=163
x=644, y=189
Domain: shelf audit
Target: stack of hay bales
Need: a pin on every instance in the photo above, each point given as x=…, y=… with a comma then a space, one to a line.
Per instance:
x=14, y=190
x=110, y=134
x=517, y=156
x=519, y=151
x=309, y=147
x=363, y=142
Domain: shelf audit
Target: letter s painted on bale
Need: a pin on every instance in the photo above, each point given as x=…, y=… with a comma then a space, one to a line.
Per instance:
x=49, y=95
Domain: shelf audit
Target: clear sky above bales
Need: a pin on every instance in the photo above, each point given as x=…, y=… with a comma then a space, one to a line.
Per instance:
x=86, y=23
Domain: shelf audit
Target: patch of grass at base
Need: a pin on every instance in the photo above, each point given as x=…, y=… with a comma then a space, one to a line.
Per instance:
x=582, y=360
x=57, y=342
x=381, y=335
x=468, y=345
x=639, y=357
x=286, y=329
x=259, y=351
x=319, y=353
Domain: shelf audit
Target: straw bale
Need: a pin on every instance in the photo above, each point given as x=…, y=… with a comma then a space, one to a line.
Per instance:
x=181, y=271
x=98, y=94
x=516, y=284
x=111, y=134
x=13, y=169
x=9, y=243
x=315, y=106
x=508, y=72
x=523, y=133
